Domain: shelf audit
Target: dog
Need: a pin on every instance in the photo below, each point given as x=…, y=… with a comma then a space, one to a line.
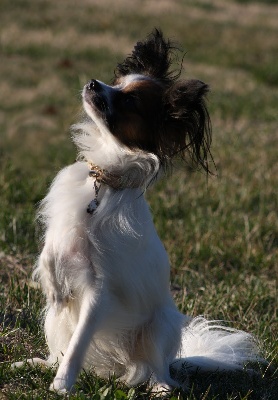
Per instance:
x=103, y=269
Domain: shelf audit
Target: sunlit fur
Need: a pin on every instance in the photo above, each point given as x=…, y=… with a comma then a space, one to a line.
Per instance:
x=106, y=275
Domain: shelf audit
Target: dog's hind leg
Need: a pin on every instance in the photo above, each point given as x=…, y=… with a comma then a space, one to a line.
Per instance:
x=46, y=272
x=91, y=312
x=165, y=335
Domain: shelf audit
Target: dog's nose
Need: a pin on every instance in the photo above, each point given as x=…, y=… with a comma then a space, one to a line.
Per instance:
x=93, y=85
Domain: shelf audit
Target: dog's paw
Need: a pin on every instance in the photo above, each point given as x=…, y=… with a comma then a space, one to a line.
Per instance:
x=18, y=364
x=161, y=391
x=31, y=361
x=61, y=386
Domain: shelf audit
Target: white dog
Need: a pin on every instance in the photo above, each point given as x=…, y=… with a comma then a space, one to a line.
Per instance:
x=103, y=268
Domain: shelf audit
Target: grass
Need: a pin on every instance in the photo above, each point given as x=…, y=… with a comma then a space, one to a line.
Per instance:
x=221, y=232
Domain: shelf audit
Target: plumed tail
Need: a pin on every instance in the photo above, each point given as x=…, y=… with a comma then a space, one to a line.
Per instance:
x=210, y=346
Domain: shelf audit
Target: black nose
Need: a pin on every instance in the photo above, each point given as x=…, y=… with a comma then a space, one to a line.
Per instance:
x=93, y=85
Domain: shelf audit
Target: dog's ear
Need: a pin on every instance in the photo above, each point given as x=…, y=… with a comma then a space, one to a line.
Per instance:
x=187, y=129
x=151, y=57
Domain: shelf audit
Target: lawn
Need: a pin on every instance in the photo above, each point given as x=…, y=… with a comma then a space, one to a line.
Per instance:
x=221, y=230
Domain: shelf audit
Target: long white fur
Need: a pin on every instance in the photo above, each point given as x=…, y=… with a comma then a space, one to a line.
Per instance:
x=106, y=279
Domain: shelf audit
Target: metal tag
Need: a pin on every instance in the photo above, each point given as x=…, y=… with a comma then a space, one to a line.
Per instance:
x=93, y=205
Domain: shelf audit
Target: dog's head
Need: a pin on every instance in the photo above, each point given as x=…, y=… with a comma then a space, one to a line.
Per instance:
x=149, y=108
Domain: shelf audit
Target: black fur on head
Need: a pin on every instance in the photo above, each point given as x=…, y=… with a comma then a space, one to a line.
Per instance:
x=152, y=58
x=187, y=128
x=180, y=123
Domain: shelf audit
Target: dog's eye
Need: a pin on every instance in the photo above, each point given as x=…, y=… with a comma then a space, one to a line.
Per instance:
x=130, y=103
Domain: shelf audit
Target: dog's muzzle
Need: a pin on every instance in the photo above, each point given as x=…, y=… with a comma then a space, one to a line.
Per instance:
x=95, y=95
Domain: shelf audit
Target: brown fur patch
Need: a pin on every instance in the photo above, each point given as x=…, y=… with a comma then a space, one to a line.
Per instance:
x=136, y=124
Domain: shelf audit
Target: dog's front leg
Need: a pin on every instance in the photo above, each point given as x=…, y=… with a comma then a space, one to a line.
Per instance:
x=91, y=312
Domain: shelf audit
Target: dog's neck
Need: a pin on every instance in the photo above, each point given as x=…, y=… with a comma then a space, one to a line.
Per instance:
x=117, y=166
x=113, y=179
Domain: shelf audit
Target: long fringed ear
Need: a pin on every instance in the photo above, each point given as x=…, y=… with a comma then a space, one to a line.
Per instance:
x=187, y=125
x=151, y=57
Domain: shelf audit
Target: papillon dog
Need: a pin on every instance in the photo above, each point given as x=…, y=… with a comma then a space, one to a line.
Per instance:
x=103, y=269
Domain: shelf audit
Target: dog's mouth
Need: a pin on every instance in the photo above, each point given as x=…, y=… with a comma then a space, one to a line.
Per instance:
x=96, y=101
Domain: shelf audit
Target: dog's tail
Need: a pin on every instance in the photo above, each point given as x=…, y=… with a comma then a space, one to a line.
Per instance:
x=210, y=346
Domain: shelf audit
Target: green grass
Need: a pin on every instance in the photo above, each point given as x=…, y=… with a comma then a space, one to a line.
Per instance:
x=221, y=231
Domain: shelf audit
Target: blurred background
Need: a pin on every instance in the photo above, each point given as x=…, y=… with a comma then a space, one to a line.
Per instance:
x=220, y=231
x=49, y=49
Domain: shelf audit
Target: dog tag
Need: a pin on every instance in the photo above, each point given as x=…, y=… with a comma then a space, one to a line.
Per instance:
x=92, y=206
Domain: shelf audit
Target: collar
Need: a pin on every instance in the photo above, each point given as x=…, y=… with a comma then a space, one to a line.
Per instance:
x=115, y=181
